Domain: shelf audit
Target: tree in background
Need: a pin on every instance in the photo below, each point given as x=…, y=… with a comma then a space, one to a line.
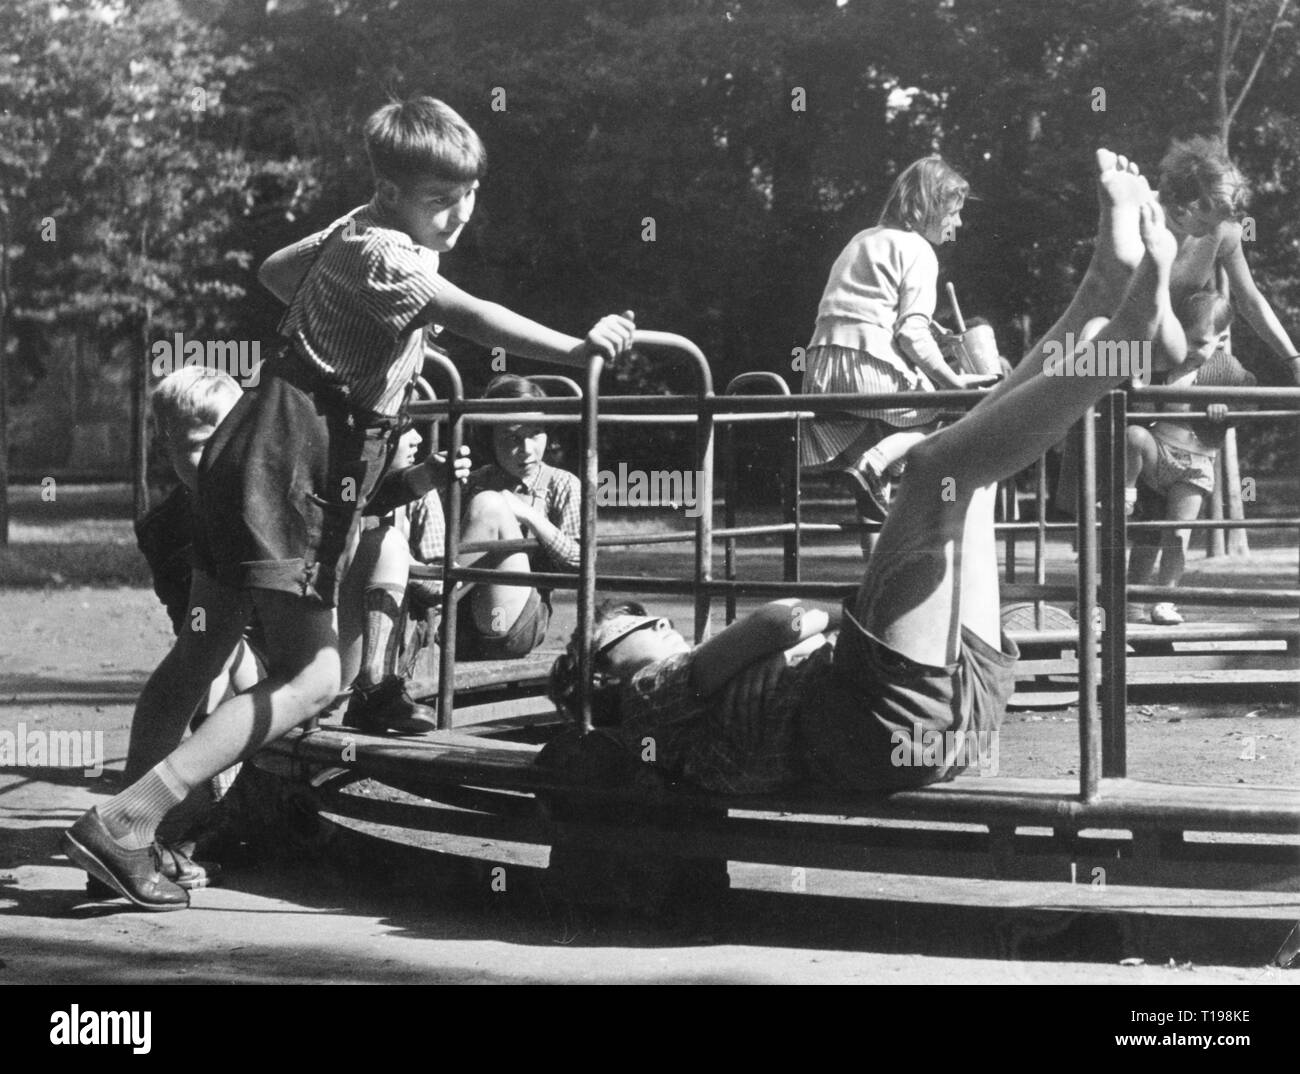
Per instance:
x=127, y=227
x=699, y=161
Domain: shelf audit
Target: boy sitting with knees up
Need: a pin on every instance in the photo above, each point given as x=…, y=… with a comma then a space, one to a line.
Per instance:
x=516, y=495
x=921, y=672
x=1178, y=460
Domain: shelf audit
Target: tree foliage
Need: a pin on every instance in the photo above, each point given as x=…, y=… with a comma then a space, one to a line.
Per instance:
x=756, y=135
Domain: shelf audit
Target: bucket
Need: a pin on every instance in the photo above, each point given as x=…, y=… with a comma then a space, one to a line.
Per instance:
x=977, y=351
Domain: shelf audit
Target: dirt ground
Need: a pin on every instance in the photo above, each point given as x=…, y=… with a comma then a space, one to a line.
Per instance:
x=76, y=658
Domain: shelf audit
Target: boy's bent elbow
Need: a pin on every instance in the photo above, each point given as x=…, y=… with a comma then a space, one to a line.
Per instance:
x=789, y=622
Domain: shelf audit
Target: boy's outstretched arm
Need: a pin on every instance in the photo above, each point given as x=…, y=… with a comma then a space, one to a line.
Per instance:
x=492, y=325
x=400, y=487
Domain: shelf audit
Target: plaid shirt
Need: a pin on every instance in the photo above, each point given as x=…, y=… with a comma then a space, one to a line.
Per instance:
x=428, y=532
x=359, y=313
x=556, y=492
x=698, y=742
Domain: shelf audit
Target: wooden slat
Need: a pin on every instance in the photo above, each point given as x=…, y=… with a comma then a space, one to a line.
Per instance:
x=472, y=675
x=459, y=758
x=1139, y=633
x=1172, y=663
x=776, y=840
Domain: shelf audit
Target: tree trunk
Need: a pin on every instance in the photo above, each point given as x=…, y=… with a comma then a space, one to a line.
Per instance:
x=139, y=424
x=1224, y=113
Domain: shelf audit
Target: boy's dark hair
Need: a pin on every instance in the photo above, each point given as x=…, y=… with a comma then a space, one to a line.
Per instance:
x=563, y=687
x=1205, y=307
x=1198, y=172
x=505, y=386
x=510, y=386
x=423, y=138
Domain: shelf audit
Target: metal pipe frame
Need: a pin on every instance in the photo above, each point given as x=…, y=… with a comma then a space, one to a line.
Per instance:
x=1089, y=724
x=451, y=539
x=779, y=386
x=1102, y=540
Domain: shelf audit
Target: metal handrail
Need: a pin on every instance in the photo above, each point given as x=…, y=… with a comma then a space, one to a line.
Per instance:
x=590, y=476
x=1101, y=728
x=792, y=528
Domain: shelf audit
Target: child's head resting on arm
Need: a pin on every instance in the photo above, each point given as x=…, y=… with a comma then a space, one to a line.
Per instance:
x=624, y=640
x=188, y=405
x=1200, y=187
x=927, y=198
x=427, y=163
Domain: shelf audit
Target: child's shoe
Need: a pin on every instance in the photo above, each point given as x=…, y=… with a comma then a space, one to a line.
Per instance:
x=869, y=490
x=388, y=707
x=132, y=874
x=177, y=865
x=1166, y=614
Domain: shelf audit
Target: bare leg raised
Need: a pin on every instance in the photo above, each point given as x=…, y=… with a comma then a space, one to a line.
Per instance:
x=911, y=596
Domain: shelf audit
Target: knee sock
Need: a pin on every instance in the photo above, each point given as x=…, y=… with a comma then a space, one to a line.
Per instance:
x=132, y=817
x=378, y=643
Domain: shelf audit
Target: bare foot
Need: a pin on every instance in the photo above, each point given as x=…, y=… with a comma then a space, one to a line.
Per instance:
x=1145, y=312
x=1121, y=192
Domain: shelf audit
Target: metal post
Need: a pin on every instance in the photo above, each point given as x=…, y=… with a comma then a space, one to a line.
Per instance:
x=1089, y=728
x=1215, y=543
x=451, y=542
x=1114, y=582
x=587, y=545
x=794, y=506
x=1040, y=537
x=729, y=510
x=704, y=504
x=1237, y=542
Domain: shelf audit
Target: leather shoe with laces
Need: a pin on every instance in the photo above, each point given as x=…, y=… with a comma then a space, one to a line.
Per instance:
x=178, y=866
x=134, y=874
x=388, y=707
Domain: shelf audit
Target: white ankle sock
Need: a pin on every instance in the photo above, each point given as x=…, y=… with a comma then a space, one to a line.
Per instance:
x=132, y=817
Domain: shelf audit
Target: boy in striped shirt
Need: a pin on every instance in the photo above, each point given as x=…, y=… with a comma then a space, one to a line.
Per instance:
x=283, y=481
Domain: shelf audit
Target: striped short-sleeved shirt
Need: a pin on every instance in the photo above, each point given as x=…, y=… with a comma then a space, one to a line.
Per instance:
x=709, y=745
x=359, y=314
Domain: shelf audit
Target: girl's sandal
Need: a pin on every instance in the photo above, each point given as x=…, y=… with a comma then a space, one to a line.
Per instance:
x=869, y=492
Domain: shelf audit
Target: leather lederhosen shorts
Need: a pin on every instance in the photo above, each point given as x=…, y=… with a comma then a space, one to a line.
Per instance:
x=283, y=481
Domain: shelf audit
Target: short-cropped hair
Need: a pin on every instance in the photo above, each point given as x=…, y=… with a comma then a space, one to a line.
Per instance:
x=564, y=685
x=194, y=395
x=1209, y=307
x=423, y=138
x=1198, y=172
